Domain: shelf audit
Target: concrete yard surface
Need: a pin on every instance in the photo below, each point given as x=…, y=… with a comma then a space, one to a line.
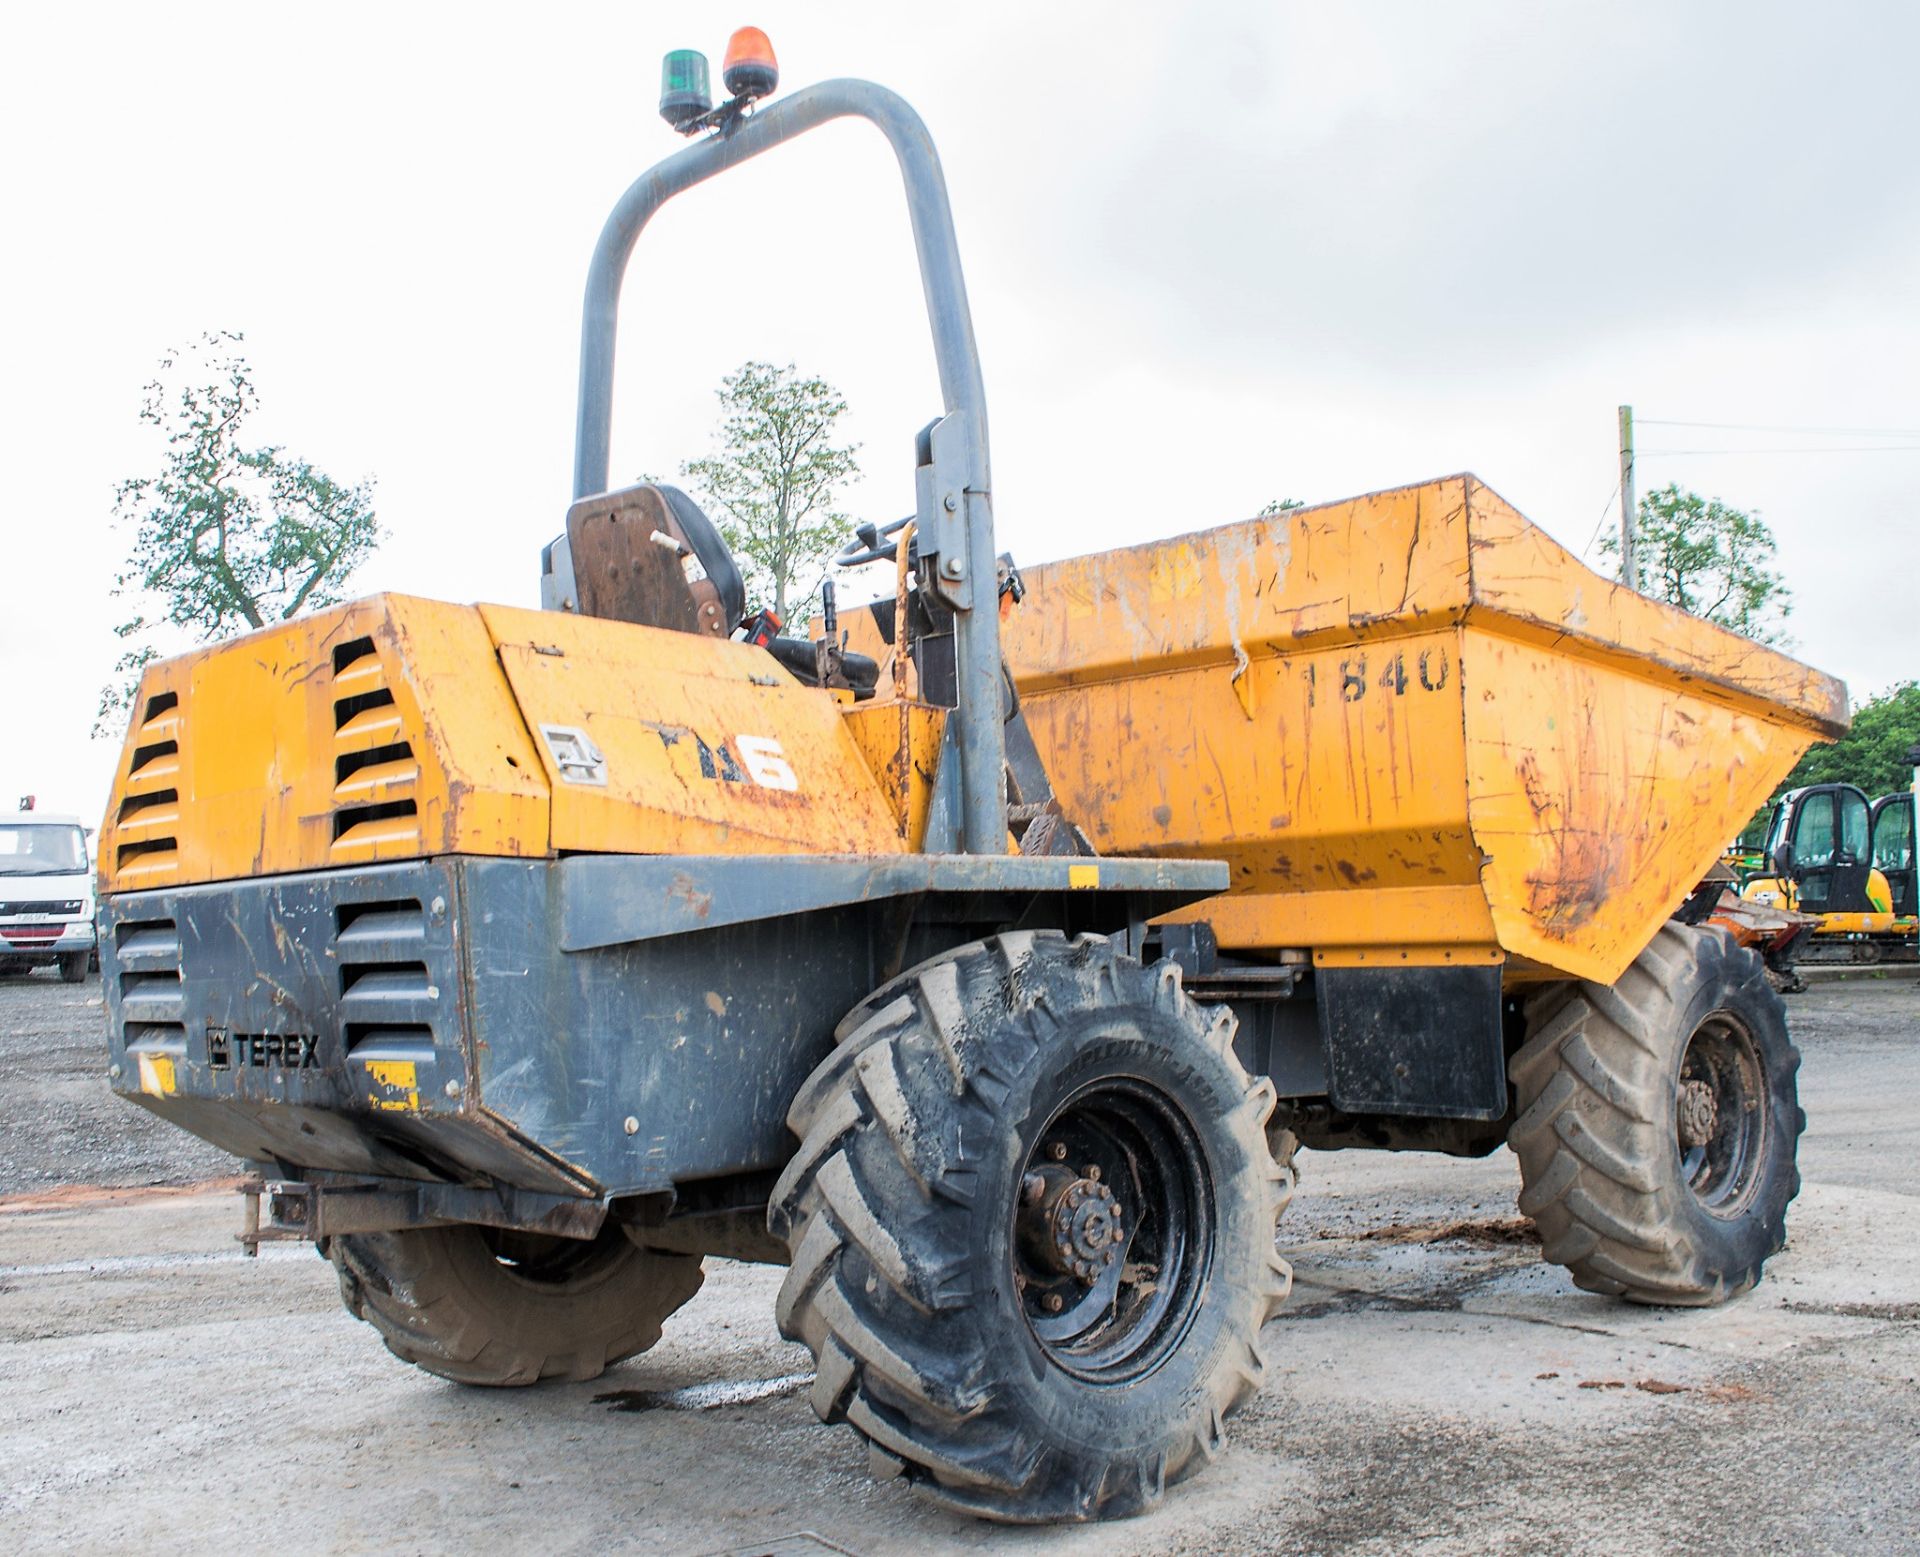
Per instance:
x=1434, y=1387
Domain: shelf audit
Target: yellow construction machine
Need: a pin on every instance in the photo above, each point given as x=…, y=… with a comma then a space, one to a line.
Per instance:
x=983, y=979
x=1849, y=862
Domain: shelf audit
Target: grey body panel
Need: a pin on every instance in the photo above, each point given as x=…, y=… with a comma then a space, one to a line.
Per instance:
x=607, y=899
x=478, y=1021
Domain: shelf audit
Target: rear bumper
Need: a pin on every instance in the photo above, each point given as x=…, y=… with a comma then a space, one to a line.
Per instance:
x=317, y=1021
x=595, y=1027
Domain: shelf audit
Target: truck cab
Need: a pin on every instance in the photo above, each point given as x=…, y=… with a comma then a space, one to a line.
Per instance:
x=46, y=895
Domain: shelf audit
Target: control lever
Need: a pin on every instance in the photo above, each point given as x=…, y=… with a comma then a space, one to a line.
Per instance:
x=830, y=649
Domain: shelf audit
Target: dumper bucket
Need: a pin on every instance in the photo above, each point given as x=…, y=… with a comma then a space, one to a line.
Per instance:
x=1418, y=730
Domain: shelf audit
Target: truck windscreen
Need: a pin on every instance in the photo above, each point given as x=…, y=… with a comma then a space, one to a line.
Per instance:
x=42, y=851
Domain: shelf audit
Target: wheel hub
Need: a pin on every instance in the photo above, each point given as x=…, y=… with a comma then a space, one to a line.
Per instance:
x=1113, y=1230
x=1698, y=1114
x=1070, y=1223
x=1721, y=1116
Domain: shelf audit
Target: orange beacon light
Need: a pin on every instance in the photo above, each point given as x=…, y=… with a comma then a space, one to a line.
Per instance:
x=749, y=69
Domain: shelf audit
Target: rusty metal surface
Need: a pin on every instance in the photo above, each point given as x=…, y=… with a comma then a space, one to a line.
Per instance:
x=901, y=742
x=709, y=746
x=379, y=730
x=624, y=571
x=1411, y=724
x=396, y=728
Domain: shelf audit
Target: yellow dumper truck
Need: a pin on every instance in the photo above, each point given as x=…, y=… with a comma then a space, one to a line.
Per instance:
x=982, y=978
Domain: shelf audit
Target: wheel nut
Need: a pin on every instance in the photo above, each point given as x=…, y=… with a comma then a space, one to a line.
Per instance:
x=1107, y=1258
x=1091, y=1172
x=1055, y=1302
x=1057, y=1151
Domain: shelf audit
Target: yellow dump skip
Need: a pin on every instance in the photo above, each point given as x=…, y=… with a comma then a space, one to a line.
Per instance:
x=1413, y=725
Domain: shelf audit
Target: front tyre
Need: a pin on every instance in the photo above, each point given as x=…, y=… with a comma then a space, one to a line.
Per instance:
x=482, y=1305
x=73, y=967
x=1658, y=1121
x=1032, y=1229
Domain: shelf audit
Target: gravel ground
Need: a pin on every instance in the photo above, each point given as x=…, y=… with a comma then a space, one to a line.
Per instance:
x=59, y=1122
x=1435, y=1388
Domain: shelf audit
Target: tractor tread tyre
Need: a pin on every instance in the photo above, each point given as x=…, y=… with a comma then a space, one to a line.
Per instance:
x=442, y=1301
x=1283, y=1143
x=1596, y=1093
x=895, y=1209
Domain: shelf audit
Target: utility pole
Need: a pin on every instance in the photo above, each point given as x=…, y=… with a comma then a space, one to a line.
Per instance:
x=1629, y=565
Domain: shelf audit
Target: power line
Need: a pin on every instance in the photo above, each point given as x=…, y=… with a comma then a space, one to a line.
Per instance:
x=1858, y=448
x=1605, y=509
x=1821, y=432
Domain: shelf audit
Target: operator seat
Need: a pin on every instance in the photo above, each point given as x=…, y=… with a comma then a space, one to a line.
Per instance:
x=647, y=554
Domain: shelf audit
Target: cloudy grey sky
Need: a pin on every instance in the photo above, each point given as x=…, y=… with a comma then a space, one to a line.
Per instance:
x=1218, y=253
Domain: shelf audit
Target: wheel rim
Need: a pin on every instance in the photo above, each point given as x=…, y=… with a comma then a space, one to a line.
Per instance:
x=1113, y=1231
x=1721, y=1115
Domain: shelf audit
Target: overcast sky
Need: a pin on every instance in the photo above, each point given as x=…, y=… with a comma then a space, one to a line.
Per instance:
x=1217, y=254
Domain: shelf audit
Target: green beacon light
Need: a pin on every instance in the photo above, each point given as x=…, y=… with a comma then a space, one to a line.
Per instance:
x=684, y=93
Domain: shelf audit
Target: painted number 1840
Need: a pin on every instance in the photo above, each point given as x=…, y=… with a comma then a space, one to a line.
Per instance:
x=1396, y=673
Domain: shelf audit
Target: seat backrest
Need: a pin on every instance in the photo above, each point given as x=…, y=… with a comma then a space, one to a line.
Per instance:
x=647, y=554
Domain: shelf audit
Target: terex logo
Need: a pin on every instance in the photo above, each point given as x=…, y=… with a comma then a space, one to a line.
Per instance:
x=280, y=1051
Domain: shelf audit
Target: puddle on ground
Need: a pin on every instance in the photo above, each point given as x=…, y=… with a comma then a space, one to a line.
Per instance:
x=1901, y=1313
x=704, y=1397
x=1489, y=1232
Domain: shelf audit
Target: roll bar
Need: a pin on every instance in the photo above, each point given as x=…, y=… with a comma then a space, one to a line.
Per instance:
x=955, y=482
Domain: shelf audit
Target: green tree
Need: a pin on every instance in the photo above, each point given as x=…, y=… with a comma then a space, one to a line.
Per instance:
x=225, y=537
x=1711, y=560
x=1874, y=752
x=1280, y=505
x=773, y=480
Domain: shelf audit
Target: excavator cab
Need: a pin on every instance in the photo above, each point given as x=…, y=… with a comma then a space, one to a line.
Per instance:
x=1819, y=839
x=1893, y=855
x=1849, y=862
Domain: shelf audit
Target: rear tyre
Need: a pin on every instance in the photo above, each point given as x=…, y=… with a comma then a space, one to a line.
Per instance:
x=1283, y=1145
x=73, y=967
x=1658, y=1121
x=1031, y=1223
x=480, y=1305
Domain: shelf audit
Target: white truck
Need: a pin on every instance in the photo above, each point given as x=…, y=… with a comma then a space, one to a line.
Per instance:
x=46, y=895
